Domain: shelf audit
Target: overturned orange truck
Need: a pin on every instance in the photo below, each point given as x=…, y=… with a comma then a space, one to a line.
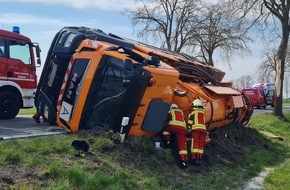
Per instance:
x=91, y=79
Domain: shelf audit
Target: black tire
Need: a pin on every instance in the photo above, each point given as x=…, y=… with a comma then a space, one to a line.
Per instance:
x=9, y=105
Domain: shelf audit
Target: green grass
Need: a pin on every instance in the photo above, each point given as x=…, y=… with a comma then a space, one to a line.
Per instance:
x=279, y=178
x=136, y=164
x=29, y=111
x=286, y=102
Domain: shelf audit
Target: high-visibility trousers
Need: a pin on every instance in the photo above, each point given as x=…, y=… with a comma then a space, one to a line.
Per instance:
x=197, y=144
x=180, y=134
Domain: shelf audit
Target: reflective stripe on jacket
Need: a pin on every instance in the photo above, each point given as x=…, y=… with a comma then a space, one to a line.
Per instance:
x=196, y=119
x=177, y=118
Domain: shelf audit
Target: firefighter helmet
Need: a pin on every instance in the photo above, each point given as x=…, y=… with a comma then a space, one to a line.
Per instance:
x=197, y=103
x=173, y=106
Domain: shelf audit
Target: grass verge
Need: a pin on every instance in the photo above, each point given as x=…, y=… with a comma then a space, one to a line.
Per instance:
x=279, y=178
x=236, y=153
x=29, y=111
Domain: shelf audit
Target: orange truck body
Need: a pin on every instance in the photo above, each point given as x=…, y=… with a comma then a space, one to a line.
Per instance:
x=92, y=79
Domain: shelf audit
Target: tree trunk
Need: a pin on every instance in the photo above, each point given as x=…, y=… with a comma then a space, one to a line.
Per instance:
x=210, y=59
x=280, y=67
x=278, y=111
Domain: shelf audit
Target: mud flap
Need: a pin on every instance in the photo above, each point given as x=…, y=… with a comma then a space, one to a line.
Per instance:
x=156, y=116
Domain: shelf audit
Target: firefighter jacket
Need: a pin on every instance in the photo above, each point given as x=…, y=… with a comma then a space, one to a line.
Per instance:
x=196, y=119
x=176, y=118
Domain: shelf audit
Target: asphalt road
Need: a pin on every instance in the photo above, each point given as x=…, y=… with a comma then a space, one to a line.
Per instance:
x=24, y=127
x=270, y=110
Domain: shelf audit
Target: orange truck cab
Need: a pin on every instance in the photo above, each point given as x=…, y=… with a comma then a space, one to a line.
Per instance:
x=91, y=79
x=257, y=97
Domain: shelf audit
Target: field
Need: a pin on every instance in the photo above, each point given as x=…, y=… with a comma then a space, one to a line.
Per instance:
x=236, y=154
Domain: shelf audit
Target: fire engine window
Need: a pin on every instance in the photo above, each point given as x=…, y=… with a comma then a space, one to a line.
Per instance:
x=2, y=47
x=20, y=51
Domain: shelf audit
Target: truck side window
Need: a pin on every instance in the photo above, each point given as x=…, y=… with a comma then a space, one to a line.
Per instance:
x=2, y=48
x=20, y=51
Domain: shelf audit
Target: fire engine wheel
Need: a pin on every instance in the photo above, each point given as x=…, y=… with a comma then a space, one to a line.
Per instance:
x=9, y=105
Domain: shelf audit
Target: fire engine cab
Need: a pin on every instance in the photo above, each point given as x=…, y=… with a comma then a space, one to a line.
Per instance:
x=18, y=78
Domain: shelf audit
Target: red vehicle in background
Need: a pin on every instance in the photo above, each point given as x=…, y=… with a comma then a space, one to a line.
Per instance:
x=257, y=96
x=17, y=72
x=269, y=92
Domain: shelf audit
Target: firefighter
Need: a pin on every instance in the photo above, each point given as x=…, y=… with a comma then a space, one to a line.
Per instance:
x=196, y=124
x=176, y=125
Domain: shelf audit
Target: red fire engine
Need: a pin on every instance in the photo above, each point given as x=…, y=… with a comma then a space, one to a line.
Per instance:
x=17, y=72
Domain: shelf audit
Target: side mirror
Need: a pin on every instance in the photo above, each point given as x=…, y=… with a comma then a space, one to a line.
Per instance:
x=128, y=65
x=38, y=61
x=37, y=52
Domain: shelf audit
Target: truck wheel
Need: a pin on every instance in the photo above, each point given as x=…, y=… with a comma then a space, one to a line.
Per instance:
x=9, y=105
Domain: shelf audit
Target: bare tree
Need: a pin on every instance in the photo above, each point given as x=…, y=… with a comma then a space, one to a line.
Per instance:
x=220, y=30
x=190, y=26
x=245, y=81
x=167, y=21
x=267, y=68
x=236, y=84
x=278, y=11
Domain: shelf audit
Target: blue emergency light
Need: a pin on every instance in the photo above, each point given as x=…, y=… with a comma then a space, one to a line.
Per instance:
x=16, y=29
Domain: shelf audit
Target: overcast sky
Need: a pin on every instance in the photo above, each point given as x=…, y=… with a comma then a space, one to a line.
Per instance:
x=42, y=19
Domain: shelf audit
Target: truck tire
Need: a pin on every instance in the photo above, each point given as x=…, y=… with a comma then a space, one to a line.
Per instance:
x=9, y=105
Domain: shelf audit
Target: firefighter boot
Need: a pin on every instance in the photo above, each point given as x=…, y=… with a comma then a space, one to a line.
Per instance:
x=199, y=161
x=166, y=144
x=183, y=165
x=195, y=161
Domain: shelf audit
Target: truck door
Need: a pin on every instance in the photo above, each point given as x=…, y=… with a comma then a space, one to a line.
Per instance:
x=3, y=60
x=21, y=69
